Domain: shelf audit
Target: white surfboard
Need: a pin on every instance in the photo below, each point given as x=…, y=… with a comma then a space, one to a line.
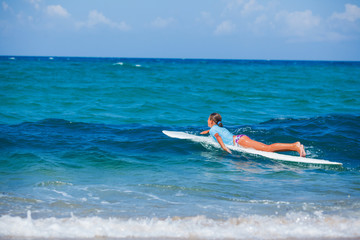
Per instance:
x=272, y=155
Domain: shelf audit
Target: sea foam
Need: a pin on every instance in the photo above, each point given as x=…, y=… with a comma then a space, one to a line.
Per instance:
x=296, y=225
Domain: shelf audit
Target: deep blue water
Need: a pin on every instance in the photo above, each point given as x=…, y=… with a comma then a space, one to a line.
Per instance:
x=82, y=153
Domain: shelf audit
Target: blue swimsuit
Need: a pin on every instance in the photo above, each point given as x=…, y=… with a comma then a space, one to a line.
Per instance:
x=226, y=136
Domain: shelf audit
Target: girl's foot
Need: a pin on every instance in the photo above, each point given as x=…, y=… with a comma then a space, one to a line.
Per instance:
x=303, y=153
x=300, y=149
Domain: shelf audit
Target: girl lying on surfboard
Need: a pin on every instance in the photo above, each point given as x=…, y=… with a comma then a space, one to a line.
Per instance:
x=223, y=136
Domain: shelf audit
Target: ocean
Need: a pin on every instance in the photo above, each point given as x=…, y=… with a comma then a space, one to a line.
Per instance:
x=83, y=156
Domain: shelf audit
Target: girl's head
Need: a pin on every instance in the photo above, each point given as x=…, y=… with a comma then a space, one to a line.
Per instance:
x=216, y=118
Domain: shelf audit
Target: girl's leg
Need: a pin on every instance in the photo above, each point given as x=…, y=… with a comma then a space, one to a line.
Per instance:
x=245, y=141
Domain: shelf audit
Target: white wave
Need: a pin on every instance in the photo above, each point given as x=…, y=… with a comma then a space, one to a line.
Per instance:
x=62, y=193
x=119, y=63
x=295, y=225
x=53, y=183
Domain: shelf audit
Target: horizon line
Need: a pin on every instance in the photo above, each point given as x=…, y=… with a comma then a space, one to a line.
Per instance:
x=181, y=58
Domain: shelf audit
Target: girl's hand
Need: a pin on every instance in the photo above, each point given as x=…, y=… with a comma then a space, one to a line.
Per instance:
x=219, y=139
x=228, y=150
x=205, y=132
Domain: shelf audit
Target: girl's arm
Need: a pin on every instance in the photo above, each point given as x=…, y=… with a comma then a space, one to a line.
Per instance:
x=219, y=139
x=205, y=132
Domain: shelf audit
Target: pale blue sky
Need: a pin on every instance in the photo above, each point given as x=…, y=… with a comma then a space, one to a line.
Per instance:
x=226, y=29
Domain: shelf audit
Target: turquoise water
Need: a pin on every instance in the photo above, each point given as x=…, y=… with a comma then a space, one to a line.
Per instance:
x=82, y=152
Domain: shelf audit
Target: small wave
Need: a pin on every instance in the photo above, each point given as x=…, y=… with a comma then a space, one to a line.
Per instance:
x=15, y=199
x=53, y=183
x=296, y=225
x=129, y=65
x=62, y=193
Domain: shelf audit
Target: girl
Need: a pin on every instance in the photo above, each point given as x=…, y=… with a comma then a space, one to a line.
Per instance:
x=223, y=136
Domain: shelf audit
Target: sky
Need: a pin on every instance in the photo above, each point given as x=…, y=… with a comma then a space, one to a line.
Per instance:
x=216, y=29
